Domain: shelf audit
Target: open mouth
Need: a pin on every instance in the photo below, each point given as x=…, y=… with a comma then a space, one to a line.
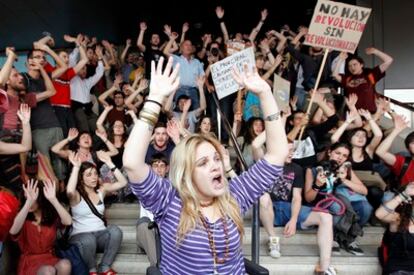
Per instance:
x=217, y=182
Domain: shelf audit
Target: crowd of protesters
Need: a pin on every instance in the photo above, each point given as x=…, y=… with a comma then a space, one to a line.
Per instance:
x=75, y=132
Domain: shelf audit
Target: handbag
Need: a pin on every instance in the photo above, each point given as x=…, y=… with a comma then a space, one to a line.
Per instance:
x=65, y=250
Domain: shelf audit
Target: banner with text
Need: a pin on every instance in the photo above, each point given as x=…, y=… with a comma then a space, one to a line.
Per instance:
x=221, y=71
x=337, y=26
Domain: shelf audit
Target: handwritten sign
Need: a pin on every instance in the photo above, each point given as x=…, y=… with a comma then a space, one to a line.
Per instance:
x=337, y=26
x=281, y=91
x=221, y=71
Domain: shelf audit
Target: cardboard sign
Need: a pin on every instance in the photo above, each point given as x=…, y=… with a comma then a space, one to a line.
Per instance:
x=221, y=71
x=337, y=26
x=281, y=91
x=234, y=47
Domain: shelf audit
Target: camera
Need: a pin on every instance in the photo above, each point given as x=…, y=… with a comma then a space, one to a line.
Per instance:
x=214, y=52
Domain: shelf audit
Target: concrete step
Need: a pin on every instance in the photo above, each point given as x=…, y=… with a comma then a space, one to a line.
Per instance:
x=287, y=265
x=286, y=250
x=299, y=253
x=372, y=236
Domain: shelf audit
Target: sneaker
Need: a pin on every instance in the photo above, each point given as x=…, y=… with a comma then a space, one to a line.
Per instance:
x=329, y=271
x=274, y=247
x=353, y=248
x=336, y=249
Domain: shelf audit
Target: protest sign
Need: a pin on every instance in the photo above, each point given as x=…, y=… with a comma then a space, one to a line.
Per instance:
x=281, y=91
x=221, y=71
x=337, y=26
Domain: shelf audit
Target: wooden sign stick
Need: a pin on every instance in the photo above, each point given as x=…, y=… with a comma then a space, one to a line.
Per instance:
x=315, y=89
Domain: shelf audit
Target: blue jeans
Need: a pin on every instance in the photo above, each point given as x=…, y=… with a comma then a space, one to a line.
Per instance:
x=364, y=211
x=283, y=213
x=301, y=94
x=362, y=208
x=191, y=92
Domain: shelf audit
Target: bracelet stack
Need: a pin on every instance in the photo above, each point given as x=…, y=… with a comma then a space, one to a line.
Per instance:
x=148, y=116
x=404, y=197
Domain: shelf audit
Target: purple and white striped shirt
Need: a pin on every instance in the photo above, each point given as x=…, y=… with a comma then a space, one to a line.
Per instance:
x=194, y=255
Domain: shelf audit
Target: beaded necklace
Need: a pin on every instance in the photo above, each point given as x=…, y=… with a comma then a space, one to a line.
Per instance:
x=213, y=245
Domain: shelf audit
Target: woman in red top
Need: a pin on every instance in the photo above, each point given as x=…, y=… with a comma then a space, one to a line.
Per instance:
x=34, y=229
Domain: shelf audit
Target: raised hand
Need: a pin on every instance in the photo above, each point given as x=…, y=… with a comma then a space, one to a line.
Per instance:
x=49, y=189
x=370, y=50
x=317, y=96
x=364, y=113
x=10, y=52
x=251, y=79
x=31, y=191
x=173, y=129
x=351, y=100
x=69, y=38
x=117, y=81
x=108, y=108
x=128, y=42
x=264, y=14
x=206, y=39
x=383, y=104
x=167, y=30
x=278, y=59
x=98, y=51
x=303, y=30
x=400, y=122
x=143, y=84
x=219, y=12
x=143, y=26
x=186, y=27
x=40, y=46
x=75, y=159
x=409, y=189
x=304, y=121
x=163, y=83
x=103, y=156
x=343, y=55
x=73, y=133
x=24, y=113
x=107, y=45
x=350, y=117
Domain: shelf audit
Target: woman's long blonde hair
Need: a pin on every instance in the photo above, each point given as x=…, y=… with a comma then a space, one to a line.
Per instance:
x=181, y=175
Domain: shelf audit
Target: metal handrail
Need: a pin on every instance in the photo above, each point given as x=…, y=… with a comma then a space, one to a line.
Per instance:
x=401, y=104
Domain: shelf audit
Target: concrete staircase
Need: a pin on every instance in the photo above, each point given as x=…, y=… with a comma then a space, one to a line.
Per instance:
x=299, y=253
